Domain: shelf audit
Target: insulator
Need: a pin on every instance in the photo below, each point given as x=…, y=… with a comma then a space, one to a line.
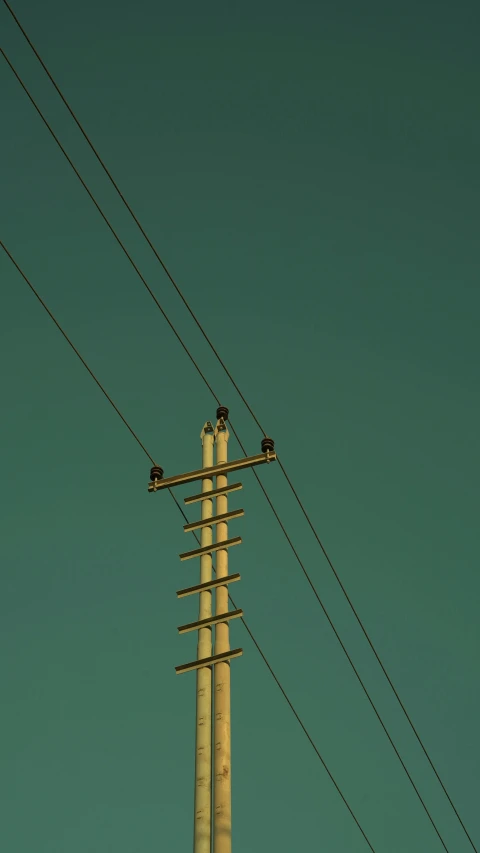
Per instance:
x=267, y=444
x=222, y=412
x=156, y=473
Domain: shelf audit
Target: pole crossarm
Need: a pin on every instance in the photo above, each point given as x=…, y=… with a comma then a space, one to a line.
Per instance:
x=212, y=620
x=209, y=549
x=216, y=519
x=197, y=664
x=201, y=587
x=213, y=471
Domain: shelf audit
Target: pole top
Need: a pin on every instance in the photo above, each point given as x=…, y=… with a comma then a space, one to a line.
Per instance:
x=207, y=428
x=222, y=413
x=222, y=427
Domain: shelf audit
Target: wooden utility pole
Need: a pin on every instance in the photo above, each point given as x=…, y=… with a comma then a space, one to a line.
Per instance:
x=223, y=654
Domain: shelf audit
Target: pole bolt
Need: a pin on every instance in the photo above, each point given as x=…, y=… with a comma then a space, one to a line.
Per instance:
x=267, y=444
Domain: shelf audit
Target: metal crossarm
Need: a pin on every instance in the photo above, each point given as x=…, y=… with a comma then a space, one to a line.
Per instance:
x=213, y=471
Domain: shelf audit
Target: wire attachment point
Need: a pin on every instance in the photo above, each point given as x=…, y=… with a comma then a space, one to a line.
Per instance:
x=156, y=473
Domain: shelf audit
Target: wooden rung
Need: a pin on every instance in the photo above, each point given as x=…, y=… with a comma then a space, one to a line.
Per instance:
x=213, y=493
x=197, y=664
x=216, y=519
x=201, y=587
x=209, y=549
x=211, y=620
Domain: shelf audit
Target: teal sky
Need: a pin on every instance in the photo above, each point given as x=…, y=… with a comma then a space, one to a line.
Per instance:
x=309, y=173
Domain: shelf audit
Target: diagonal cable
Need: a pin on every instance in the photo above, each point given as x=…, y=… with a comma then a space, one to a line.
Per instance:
x=69, y=342
x=107, y=221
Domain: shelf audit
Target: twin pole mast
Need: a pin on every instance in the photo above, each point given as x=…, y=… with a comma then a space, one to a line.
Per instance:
x=213, y=782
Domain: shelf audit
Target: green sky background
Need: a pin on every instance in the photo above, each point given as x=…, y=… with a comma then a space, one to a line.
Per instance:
x=310, y=174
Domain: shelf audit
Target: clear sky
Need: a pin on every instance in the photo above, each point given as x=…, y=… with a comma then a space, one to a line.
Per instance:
x=310, y=174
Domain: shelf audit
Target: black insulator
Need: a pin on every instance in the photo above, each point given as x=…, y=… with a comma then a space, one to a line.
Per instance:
x=156, y=473
x=267, y=444
x=222, y=412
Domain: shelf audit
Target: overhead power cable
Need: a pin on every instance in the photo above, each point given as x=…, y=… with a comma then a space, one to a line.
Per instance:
x=177, y=335
x=249, y=631
x=243, y=398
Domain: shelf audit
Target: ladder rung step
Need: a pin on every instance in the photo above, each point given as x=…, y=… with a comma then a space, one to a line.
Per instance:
x=197, y=664
x=202, y=587
x=216, y=519
x=209, y=549
x=213, y=493
x=211, y=620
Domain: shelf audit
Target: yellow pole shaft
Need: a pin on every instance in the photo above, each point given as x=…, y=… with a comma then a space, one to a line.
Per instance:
x=203, y=726
x=222, y=790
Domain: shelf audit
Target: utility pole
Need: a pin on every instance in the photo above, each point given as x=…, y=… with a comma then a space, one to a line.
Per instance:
x=222, y=762
x=220, y=660
x=203, y=726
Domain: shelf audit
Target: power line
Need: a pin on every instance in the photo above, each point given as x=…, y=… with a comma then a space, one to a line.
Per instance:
x=249, y=631
x=107, y=222
x=222, y=363
x=69, y=342
x=177, y=335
